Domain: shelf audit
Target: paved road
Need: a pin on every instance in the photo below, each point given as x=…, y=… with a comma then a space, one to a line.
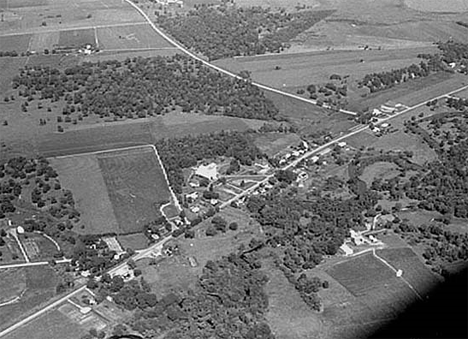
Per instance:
x=333, y=142
x=219, y=69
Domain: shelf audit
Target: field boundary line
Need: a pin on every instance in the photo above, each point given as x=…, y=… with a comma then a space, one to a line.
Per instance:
x=77, y=28
x=34, y=263
x=222, y=70
x=137, y=49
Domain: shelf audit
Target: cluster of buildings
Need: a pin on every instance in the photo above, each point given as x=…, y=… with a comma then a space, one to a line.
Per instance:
x=388, y=108
x=294, y=153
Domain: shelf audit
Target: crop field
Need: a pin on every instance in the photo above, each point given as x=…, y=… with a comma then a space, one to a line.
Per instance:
x=33, y=16
x=310, y=118
x=44, y=40
x=136, y=186
x=82, y=175
x=130, y=37
x=303, y=69
x=373, y=283
x=52, y=325
x=414, y=271
x=40, y=286
x=77, y=38
x=135, y=241
x=18, y=43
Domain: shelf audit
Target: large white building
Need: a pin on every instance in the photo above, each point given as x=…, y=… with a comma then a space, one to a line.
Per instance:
x=209, y=171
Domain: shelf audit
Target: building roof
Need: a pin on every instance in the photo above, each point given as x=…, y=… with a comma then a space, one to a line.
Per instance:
x=209, y=171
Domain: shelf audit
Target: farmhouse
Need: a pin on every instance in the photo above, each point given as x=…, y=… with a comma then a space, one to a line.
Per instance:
x=209, y=171
x=357, y=238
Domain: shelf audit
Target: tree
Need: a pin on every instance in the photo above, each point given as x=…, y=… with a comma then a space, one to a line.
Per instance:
x=233, y=226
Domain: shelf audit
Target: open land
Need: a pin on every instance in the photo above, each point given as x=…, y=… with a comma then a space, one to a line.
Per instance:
x=40, y=287
x=136, y=186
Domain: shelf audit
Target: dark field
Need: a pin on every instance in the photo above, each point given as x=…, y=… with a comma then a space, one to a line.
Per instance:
x=18, y=43
x=77, y=38
x=136, y=186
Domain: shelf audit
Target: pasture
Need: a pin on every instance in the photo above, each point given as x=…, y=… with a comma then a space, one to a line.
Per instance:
x=373, y=283
x=438, y=6
x=82, y=175
x=40, y=287
x=136, y=186
x=302, y=69
x=130, y=37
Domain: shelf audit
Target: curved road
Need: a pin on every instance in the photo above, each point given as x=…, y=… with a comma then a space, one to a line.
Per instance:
x=222, y=70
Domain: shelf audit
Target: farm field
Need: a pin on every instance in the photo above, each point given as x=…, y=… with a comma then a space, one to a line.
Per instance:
x=52, y=325
x=310, y=118
x=32, y=16
x=136, y=186
x=272, y=144
x=77, y=38
x=40, y=287
x=18, y=43
x=81, y=174
x=44, y=40
x=135, y=241
x=303, y=69
x=438, y=6
x=130, y=37
x=414, y=271
x=373, y=283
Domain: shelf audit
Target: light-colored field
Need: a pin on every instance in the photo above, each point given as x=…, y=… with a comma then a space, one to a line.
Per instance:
x=12, y=283
x=48, y=15
x=52, y=325
x=288, y=315
x=44, y=40
x=438, y=6
x=379, y=170
x=136, y=186
x=303, y=69
x=130, y=37
x=81, y=174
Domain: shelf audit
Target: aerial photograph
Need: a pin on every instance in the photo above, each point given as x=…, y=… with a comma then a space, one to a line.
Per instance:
x=233, y=169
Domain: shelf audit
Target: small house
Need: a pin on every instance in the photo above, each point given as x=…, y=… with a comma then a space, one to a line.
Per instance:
x=209, y=171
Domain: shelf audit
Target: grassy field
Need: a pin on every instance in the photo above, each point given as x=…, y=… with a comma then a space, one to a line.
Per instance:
x=310, y=118
x=414, y=271
x=303, y=69
x=34, y=16
x=12, y=284
x=18, y=43
x=82, y=175
x=373, y=283
x=38, y=247
x=52, y=325
x=130, y=37
x=382, y=170
x=438, y=6
x=288, y=316
x=134, y=241
x=274, y=143
x=77, y=38
x=40, y=286
x=136, y=186
x=43, y=40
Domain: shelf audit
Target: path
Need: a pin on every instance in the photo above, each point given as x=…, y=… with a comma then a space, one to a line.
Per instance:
x=31, y=264
x=219, y=69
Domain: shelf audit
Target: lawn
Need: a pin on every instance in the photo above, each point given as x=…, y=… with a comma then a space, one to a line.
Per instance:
x=136, y=186
x=82, y=175
x=373, y=283
x=77, y=38
x=130, y=37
